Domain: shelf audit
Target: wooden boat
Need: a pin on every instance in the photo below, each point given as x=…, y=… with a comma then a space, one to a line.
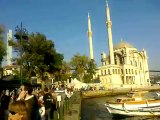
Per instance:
x=134, y=105
x=158, y=93
x=154, y=111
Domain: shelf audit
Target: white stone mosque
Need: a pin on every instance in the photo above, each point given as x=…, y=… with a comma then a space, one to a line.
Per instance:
x=125, y=66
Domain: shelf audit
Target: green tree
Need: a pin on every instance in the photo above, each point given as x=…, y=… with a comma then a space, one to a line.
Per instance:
x=65, y=72
x=19, y=45
x=2, y=44
x=41, y=56
x=38, y=56
x=78, y=64
x=83, y=67
x=91, y=71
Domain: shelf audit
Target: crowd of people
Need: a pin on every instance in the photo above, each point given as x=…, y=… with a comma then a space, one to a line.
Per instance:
x=26, y=103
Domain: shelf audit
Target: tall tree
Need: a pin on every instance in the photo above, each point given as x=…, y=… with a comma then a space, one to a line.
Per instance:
x=41, y=56
x=2, y=44
x=82, y=67
x=19, y=45
x=65, y=72
x=91, y=71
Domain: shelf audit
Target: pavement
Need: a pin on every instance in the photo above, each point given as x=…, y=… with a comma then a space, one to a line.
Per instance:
x=74, y=113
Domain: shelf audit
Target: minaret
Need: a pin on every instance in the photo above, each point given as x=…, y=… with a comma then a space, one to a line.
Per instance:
x=109, y=27
x=90, y=38
x=9, y=48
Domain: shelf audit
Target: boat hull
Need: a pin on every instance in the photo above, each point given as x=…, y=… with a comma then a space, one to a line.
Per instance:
x=139, y=112
x=135, y=105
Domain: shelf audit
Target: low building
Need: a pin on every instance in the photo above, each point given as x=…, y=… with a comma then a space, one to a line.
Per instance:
x=10, y=70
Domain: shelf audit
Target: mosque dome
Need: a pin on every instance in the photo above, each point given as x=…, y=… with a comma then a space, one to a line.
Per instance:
x=122, y=44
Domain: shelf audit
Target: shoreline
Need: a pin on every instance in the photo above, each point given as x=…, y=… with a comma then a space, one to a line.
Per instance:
x=118, y=91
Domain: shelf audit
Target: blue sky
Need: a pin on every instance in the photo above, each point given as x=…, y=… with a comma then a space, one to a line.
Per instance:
x=65, y=22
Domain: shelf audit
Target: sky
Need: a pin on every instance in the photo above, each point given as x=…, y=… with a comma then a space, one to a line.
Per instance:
x=66, y=23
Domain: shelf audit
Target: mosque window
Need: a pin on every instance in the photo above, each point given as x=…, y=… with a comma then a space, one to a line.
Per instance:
x=126, y=71
x=126, y=79
x=133, y=80
x=140, y=65
x=131, y=62
x=118, y=71
x=121, y=71
x=105, y=72
x=132, y=71
x=136, y=63
x=101, y=72
x=113, y=71
x=109, y=71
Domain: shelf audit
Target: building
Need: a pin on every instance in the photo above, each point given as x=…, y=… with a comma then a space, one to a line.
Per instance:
x=125, y=66
x=10, y=70
x=9, y=48
x=130, y=67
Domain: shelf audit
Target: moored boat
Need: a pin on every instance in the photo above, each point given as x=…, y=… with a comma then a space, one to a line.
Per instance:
x=134, y=105
x=154, y=111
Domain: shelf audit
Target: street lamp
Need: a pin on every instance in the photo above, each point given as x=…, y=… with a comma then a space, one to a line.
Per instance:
x=21, y=35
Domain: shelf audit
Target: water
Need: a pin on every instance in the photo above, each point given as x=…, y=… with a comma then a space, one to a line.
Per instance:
x=94, y=109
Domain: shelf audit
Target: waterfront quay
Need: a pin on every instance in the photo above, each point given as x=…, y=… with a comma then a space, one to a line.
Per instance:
x=77, y=110
x=89, y=104
x=116, y=91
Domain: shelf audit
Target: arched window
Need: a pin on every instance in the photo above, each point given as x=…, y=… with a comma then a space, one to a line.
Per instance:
x=140, y=65
x=109, y=71
x=101, y=72
x=135, y=63
x=105, y=72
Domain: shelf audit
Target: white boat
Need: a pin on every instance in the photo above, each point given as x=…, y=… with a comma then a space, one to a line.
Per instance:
x=134, y=105
x=154, y=111
x=158, y=93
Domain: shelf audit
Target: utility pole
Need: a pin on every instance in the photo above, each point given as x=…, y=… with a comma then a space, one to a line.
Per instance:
x=21, y=35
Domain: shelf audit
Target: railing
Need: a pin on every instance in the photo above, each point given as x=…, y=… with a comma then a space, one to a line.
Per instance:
x=64, y=106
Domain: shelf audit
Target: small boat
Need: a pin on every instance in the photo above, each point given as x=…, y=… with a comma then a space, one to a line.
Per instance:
x=134, y=105
x=154, y=111
x=158, y=93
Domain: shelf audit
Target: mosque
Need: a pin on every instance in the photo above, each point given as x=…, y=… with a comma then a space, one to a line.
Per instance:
x=125, y=66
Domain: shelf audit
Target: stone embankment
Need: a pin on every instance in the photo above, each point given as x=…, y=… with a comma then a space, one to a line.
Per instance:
x=118, y=91
x=75, y=110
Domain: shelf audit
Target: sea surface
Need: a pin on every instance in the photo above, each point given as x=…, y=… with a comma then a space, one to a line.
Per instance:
x=94, y=109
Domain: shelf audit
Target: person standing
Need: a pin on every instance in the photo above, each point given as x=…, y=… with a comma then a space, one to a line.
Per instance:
x=5, y=99
x=30, y=100
x=48, y=103
x=18, y=111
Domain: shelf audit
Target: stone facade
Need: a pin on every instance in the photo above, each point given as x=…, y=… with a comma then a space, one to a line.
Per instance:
x=129, y=70
x=125, y=66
